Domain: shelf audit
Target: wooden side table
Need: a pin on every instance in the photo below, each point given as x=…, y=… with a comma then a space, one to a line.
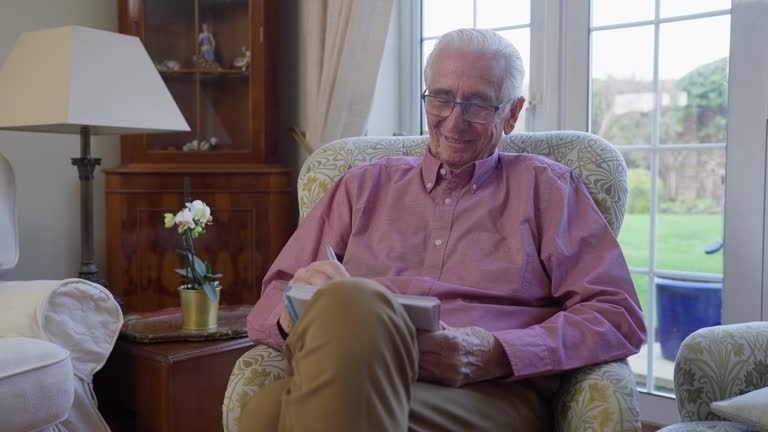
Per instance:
x=167, y=387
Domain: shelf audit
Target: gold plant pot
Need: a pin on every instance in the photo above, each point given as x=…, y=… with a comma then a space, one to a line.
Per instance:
x=198, y=312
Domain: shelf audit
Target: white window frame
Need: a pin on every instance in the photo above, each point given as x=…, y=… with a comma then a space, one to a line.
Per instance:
x=745, y=297
x=559, y=100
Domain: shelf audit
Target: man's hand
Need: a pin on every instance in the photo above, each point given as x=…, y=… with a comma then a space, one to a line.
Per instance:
x=318, y=273
x=459, y=356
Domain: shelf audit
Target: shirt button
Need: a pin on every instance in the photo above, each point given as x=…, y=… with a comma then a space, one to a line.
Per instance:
x=438, y=242
x=474, y=187
x=442, y=171
x=447, y=200
x=429, y=185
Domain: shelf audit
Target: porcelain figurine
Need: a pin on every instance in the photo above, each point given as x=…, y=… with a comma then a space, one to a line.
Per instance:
x=208, y=144
x=207, y=44
x=168, y=65
x=191, y=146
x=204, y=145
x=242, y=62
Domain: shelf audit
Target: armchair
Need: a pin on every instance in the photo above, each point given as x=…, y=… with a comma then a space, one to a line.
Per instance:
x=717, y=363
x=601, y=397
x=54, y=335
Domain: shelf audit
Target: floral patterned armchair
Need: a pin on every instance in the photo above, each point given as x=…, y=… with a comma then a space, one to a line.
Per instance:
x=717, y=363
x=596, y=398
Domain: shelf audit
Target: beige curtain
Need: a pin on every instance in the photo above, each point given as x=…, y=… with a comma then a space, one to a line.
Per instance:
x=341, y=43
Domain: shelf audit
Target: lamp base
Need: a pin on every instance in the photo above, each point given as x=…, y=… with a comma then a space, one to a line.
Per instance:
x=86, y=166
x=93, y=276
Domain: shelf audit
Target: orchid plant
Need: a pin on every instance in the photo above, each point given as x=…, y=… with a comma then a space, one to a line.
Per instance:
x=190, y=222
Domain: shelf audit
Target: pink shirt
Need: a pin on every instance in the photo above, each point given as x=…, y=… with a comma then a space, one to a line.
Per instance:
x=512, y=243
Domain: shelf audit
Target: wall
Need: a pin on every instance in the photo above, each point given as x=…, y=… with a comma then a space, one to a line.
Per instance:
x=47, y=188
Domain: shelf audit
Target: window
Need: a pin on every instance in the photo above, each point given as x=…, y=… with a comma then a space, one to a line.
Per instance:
x=662, y=101
x=669, y=82
x=511, y=18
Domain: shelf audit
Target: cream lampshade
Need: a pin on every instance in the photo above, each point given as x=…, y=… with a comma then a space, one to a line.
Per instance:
x=78, y=80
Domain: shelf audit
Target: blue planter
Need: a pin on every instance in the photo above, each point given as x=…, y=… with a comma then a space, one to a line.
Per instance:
x=685, y=306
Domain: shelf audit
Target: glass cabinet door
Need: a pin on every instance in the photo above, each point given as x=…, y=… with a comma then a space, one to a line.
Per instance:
x=225, y=105
x=202, y=49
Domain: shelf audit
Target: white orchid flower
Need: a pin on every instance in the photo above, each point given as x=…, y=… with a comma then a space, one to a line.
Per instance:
x=200, y=211
x=169, y=220
x=191, y=221
x=197, y=231
x=184, y=220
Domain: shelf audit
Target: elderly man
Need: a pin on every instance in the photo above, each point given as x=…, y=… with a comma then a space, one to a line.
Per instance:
x=532, y=281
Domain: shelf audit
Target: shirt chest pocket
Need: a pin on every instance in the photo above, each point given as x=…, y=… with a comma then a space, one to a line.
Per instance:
x=490, y=261
x=384, y=243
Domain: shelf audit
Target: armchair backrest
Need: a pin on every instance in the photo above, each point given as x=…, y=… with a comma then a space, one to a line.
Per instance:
x=9, y=240
x=600, y=166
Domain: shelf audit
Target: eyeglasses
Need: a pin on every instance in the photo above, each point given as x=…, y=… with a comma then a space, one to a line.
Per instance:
x=474, y=112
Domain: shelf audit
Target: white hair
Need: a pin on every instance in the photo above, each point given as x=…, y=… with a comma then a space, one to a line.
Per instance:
x=491, y=42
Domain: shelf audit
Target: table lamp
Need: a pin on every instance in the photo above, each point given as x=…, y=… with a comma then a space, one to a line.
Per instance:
x=78, y=80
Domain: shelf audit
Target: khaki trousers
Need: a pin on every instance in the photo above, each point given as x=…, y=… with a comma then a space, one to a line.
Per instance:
x=354, y=362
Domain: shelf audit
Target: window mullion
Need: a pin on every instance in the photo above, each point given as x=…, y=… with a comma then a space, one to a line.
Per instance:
x=574, y=65
x=545, y=99
x=654, y=160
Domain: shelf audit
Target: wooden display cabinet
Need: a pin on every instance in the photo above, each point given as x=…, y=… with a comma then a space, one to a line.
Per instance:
x=231, y=107
x=234, y=105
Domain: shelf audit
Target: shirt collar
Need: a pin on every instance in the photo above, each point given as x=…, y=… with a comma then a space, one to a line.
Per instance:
x=482, y=169
x=429, y=169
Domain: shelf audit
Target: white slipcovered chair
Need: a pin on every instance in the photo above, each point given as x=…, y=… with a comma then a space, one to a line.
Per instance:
x=596, y=398
x=54, y=335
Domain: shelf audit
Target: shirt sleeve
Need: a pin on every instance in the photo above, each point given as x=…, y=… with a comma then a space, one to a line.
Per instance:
x=328, y=222
x=601, y=318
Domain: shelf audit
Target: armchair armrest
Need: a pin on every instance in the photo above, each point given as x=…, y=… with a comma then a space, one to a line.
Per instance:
x=600, y=397
x=79, y=316
x=256, y=368
x=717, y=363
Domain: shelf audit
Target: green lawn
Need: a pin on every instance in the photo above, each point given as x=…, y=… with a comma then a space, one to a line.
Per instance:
x=680, y=243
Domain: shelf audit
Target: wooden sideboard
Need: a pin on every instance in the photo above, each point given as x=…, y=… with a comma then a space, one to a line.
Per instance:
x=253, y=211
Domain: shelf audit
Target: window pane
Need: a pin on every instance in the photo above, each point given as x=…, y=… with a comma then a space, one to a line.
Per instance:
x=683, y=305
x=521, y=39
x=622, y=85
x=606, y=12
x=635, y=234
x=503, y=13
x=426, y=47
x=442, y=16
x=690, y=212
x=670, y=8
x=694, y=79
x=639, y=361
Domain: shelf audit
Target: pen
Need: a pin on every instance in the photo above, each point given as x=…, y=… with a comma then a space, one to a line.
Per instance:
x=291, y=307
x=331, y=254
